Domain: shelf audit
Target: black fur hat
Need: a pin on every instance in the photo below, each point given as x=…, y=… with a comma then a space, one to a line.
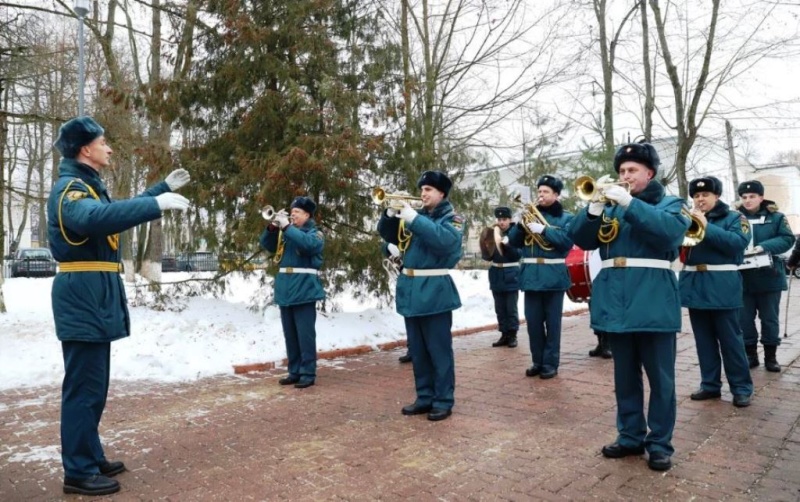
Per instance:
x=643, y=153
x=502, y=212
x=75, y=134
x=550, y=181
x=305, y=204
x=751, y=187
x=437, y=180
x=706, y=184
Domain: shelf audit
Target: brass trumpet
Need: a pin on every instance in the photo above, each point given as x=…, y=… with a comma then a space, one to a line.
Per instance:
x=696, y=231
x=394, y=200
x=268, y=213
x=587, y=189
x=531, y=214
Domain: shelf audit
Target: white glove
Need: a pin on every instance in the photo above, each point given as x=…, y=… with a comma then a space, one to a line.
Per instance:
x=177, y=179
x=596, y=208
x=407, y=213
x=535, y=227
x=393, y=250
x=281, y=219
x=169, y=200
x=391, y=212
x=504, y=241
x=618, y=195
x=758, y=249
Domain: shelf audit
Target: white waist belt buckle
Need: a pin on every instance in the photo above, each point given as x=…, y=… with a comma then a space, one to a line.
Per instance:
x=411, y=272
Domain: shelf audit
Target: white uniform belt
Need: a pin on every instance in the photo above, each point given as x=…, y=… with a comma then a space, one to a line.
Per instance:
x=415, y=272
x=711, y=268
x=622, y=262
x=297, y=270
x=543, y=261
x=506, y=265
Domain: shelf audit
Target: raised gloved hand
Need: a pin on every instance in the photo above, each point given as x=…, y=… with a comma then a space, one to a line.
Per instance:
x=393, y=250
x=281, y=219
x=536, y=227
x=407, y=213
x=756, y=250
x=596, y=208
x=177, y=179
x=391, y=212
x=618, y=195
x=169, y=200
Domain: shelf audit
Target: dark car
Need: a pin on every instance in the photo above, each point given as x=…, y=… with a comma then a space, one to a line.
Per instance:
x=169, y=264
x=33, y=262
x=201, y=261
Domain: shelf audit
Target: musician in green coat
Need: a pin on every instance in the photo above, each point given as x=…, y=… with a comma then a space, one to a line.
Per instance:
x=763, y=286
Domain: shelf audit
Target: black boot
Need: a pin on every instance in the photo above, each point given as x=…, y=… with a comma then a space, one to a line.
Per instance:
x=502, y=341
x=597, y=351
x=752, y=355
x=605, y=349
x=769, y=359
x=512, y=339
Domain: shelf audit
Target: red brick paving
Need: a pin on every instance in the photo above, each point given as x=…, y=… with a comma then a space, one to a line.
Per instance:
x=510, y=437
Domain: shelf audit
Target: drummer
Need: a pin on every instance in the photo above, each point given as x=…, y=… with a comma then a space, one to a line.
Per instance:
x=711, y=267
x=544, y=277
x=763, y=286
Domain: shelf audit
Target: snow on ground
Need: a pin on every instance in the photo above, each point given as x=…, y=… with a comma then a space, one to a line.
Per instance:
x=209, y=335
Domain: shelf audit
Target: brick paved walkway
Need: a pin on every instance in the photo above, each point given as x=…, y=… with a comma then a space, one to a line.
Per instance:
x=510, y=437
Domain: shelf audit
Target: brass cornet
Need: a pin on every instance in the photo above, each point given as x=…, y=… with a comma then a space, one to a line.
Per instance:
x=394, y=200
x=696, y=231
x=587, y=189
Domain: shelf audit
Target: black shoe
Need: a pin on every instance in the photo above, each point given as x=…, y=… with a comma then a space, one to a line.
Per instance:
x=288, y=380
x=616, y=450
x=770, y=363
x=405, y=358
x=512, y=341
x=703, y=395
x=741, y=400
x=111, y=468
x=416, y=409
x=597, y=351
x=437, y=414
x=533, y=371
x=659, y=461
x=752, y=355
x=96, y=485
x=502, y=341
x=302, y=384
x=605, y=352
x=548, y=374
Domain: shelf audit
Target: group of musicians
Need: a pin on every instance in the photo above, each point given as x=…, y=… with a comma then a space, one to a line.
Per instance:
x=636, y=302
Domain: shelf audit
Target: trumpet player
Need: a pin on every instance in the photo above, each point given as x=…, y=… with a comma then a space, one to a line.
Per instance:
x=711, y=267
x=297, y=245
x=544, y=277
x=635, y=297
x=763, y=286
x=504, y=281
x=430, y=239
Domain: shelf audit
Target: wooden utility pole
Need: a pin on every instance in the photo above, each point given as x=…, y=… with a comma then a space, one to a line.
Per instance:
x=731, y=156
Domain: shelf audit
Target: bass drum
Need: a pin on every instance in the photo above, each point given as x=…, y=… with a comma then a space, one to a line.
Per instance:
x=583, y=267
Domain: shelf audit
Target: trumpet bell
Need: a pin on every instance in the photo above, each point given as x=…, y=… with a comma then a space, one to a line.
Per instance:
x=268, y=213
